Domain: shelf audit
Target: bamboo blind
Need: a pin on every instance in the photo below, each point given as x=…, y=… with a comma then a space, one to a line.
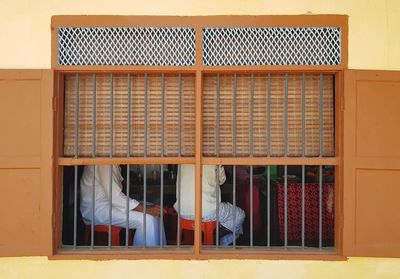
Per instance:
x=94, y=106
x=257, y=119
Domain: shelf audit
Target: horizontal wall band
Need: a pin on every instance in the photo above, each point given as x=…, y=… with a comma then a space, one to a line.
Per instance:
x=126, y=161
x=270, y=161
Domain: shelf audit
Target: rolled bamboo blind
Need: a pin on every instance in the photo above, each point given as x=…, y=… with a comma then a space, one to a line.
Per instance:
x=262, y=115
x=243, y=115
x=94, y=106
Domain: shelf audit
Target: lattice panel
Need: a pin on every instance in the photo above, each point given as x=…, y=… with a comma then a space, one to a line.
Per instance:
x=126, y=46
x=271, y=46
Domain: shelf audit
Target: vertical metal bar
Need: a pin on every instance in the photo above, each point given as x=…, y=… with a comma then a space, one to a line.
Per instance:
x=303, y=114
x=321, y=114
x=320, y=209
x=162, y=155
x=94, y=167
x=234, y=155
x=180, y=115
x=251, y=115
x=128, y=167
x=234, y=206
x=269, y=116
x=269, y=206
x=178, y=230
x=144, y=203
x=145, y=166
x=303, y=207
x=111, y=154
x=251, y=206
x=76, y=156
x=285, y=206
x=217, y=169
x=286, y=113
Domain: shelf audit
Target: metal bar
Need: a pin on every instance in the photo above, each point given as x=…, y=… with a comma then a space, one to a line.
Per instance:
x=234, y=114
x=234, y=205
x=321, y=111
x=303, y=114
x=111, y=155
x=110, y=207
x=285, y=206
x=286, y=113
x=268, y=206
x=161, y=204
x=320, y=209
x=180, y=116
x=269, y=116
x=251, y=115
x=76, y=156
x=94, y=166
x=75, y=203
x=303, y=207
x=162, y=155
x=128, y=167
x=145, y=115
x=217, y=169
x=144, y=203
x=76, y=115
x=251, y=206
x=178, y=185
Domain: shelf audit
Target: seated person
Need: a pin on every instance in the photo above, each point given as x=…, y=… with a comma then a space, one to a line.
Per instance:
x=101, y=174
x=186, y=176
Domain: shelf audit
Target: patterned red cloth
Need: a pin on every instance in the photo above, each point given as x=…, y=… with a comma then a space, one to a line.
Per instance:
x=294, y=197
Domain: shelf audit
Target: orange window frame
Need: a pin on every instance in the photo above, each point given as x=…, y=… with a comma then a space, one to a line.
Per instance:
x=198, y=23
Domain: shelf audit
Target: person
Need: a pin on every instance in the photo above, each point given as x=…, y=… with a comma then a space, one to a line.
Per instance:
x=103, y=175
x=185, y=184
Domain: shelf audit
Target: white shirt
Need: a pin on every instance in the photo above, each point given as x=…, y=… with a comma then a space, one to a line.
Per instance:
x=102, y=189
x=186, y=175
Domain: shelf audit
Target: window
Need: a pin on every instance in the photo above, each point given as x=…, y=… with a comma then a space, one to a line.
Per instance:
x=169, y=105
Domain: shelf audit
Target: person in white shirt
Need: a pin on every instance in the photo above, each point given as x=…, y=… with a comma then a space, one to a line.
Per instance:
x=102, y=175
x=186, y=179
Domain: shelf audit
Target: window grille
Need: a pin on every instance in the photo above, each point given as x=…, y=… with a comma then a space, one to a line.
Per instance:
x=126, y=46
x=271, y=46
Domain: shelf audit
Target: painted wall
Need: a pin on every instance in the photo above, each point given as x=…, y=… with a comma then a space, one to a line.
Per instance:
x=374, y=43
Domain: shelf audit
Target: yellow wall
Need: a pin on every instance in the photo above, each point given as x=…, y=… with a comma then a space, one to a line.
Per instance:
x=374, y=43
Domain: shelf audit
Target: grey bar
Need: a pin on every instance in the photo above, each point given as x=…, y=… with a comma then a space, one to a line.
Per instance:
x=76, y=115
x=251, y=206
x=111, y=155
x=303, y=114
x=285, y=206
x=128, y=180
x=321, y=111
x=93, y=155
x=144, y=203
x=303, y=207
x=234, y=114
x=145, y=115
x=110, y=208
x=217, y=208
x=217, y=169
x=161, y=204
x=251, y=115
x=162, y=114
x=76, y=156
x=234, y=206
x=128, y=167
x=286, y=113
x=180, y=116
x=75, y=203
x=269, y=116
x=268, y=206
x=320, y=208
x=178, y=229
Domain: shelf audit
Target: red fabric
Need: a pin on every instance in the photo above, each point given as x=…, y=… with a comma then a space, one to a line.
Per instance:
x=294, y=199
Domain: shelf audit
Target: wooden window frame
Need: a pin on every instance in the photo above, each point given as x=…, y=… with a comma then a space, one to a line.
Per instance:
x=198, y=23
